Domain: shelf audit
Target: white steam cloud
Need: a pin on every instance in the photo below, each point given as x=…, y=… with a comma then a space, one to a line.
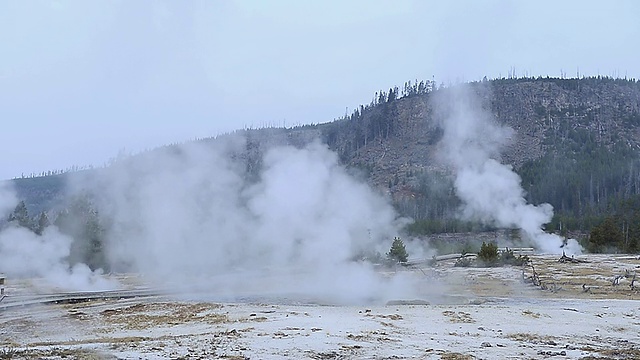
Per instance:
x=490, y=191
x=187, y=216
x=25, y=254
x=8, y=199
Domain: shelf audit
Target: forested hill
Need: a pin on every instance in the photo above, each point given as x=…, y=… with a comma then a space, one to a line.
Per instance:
x=576, y=146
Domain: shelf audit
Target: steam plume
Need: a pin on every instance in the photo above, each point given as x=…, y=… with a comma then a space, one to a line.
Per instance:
x=8, y=199
x=490, y=191
x=25, y=254
x=188, y=215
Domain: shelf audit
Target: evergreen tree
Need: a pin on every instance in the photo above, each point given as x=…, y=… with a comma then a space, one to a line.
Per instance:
x=393, y=94
x=94, y=235
x=81, y=221
x=398, y=252
x=605, y=236
x=488, y=254
x=43, y=223
x=20, y=216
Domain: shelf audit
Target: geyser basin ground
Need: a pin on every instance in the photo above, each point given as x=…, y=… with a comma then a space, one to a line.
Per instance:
x=503, y=318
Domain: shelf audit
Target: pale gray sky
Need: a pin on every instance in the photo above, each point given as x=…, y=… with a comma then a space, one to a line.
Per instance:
x=82, y=80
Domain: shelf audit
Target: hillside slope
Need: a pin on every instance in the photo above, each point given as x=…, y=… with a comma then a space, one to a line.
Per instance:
x=575, y=144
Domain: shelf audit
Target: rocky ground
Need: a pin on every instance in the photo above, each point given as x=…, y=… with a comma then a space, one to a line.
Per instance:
x=573, y=311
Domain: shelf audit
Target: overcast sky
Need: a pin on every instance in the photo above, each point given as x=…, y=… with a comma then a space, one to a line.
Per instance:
x=82, y=80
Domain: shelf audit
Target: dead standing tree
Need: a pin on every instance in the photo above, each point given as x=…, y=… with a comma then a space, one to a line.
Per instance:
x=627, y=275
x=565, y=259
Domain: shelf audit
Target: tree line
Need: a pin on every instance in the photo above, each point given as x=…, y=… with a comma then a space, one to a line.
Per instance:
x=79, y=220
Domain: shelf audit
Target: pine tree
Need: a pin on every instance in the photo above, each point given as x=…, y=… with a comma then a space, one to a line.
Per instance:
x=398, y=252
x=488, y=254
x=605, y=236
x=20, y=216
x=81, y=221
x=43, y=223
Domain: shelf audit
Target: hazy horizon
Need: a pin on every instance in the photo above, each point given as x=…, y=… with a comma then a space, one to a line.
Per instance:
x=82, y=81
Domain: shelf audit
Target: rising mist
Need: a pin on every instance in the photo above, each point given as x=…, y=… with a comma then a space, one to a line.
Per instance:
x=490, y=191
x=188, y=217
x=45, y=256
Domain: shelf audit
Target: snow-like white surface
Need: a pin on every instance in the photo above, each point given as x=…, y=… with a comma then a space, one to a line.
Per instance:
x=509, y=329
x=512, y=320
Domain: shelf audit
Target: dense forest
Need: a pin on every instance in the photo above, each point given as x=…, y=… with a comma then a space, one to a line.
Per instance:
x=576, y=147
x=78, y=219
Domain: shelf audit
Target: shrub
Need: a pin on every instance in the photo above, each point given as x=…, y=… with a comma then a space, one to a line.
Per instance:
x=488, y=255
x=508, y=258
